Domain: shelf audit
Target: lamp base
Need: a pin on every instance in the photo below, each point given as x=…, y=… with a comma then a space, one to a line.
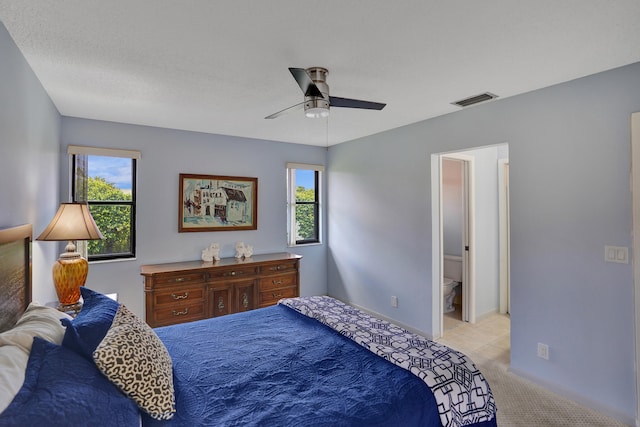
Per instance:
x=69, y=273
x=71, y=309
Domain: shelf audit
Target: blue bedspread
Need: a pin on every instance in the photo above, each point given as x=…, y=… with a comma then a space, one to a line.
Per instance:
x=276, y=367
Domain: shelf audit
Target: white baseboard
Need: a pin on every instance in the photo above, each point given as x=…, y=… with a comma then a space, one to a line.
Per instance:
x=596, y=406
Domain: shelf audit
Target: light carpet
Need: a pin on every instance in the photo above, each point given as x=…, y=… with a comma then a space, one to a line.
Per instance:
x=522, y=403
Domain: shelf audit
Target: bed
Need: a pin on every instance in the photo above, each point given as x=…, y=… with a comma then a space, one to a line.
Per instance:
x=311, y=361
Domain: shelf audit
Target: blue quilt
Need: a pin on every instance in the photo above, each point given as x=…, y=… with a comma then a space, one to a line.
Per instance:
x=461, y=391
x=277, y=367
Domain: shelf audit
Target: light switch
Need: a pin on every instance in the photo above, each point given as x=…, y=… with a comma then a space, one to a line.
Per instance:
x=619, y=254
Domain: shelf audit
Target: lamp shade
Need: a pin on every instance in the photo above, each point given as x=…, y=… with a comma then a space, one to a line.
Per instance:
x=73, y=221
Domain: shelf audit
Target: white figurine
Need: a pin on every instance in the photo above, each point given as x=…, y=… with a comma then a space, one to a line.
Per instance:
x=243, y=251
x=211, y=253
x=239, y=249
x=206, y=255
x=248, y=251
x=214, y=250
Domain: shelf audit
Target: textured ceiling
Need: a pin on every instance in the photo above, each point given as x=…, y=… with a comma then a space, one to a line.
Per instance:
x=221, y=66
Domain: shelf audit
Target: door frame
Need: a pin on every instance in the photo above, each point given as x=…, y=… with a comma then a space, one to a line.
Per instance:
x=635, y=199
x=505, y=237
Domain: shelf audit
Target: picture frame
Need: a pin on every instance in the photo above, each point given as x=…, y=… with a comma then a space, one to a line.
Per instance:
x=217, y=203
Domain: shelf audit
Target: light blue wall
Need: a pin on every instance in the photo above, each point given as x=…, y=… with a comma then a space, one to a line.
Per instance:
x=29, y=152
x=569, y=151
x=167, y=153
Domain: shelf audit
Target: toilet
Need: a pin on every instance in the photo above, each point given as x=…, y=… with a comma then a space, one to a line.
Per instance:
x=450, y=289
x=451, y=282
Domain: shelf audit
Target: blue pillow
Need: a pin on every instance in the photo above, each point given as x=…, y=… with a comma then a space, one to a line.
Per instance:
x=62, y=388
x=87, y=330
x=126, y=350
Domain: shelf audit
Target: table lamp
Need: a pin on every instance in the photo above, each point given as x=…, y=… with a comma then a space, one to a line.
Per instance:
x=73, y=221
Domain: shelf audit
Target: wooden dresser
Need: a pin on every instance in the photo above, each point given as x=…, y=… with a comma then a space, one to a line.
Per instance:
x=193, y=290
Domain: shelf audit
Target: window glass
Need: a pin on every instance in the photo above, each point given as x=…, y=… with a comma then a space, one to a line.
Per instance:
x=107, y=184
x=304, y=204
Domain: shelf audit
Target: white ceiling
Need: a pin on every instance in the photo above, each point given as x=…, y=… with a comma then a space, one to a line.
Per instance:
x=221, y=66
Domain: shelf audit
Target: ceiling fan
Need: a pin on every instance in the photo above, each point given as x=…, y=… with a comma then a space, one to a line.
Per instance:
x=313, y=82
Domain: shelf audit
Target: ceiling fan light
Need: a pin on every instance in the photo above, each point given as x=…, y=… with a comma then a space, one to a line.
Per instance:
x=316, y=112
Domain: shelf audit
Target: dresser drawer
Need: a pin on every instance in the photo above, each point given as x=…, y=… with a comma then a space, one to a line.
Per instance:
x=178, y=313
x=280, y=267
x=232, y=272
x=272, y=297
x=180, y=278
x=179, y=295
x=275, y=282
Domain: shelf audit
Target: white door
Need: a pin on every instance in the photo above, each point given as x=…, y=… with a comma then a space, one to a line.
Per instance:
x=468, y=227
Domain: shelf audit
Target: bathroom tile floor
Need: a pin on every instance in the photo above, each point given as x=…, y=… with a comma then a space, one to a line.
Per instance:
x=489, y=338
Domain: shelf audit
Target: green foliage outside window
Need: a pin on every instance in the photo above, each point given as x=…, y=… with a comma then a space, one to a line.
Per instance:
x=305, y=214
x=113, y=220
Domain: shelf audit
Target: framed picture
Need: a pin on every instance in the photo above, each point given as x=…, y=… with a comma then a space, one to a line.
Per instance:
x=217, y=203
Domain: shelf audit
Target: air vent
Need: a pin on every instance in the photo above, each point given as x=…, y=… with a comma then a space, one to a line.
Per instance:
x=475, y=99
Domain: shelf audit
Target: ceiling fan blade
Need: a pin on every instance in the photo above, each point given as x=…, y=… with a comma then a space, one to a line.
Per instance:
x=307, y=85
x=286, y=110
x=335, y=101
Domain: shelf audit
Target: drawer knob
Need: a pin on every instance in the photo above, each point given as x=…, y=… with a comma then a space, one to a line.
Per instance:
x=276, y=282
x=276, y=295
x=179, y=279
x=181, y=313
x=220, y=304
x=178, y=297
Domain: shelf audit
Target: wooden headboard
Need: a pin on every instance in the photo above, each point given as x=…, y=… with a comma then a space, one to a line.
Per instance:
x=15, y=273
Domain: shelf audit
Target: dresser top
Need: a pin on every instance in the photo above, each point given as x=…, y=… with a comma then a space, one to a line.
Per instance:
x=150, y=269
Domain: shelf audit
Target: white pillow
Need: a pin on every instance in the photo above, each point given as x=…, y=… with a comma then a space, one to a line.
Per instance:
x=37, y=320
x=13, y=363
x=15, y=346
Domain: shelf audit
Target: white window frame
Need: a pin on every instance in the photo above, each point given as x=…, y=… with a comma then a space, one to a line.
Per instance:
x=291, y=202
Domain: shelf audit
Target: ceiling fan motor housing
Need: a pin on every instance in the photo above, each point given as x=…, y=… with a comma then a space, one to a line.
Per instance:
x=315, y=106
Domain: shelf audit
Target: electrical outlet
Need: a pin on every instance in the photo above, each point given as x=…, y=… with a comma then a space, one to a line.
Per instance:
x=543, y=351
x=394, y=301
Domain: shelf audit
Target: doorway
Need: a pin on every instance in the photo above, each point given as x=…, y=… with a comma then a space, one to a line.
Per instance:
x=478, y=247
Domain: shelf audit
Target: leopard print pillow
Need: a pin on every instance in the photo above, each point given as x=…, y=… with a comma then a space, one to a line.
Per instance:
x=132, y=356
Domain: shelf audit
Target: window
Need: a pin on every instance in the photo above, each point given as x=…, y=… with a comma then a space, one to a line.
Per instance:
x=106, y=180
x=304, y=208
